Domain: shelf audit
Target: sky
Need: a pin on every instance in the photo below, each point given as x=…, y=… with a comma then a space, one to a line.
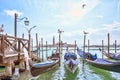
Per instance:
x=97, y=17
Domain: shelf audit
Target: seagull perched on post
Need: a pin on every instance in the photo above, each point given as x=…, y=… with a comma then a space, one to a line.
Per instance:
x=85, y=32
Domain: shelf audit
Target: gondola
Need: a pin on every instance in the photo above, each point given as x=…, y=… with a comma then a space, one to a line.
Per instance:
x=71, y=62
x=105, y=64
x=39, y=68
x=101, y=63
x=82, y=54
x=115, y=56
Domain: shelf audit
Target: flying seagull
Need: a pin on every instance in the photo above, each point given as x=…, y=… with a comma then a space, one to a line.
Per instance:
x=83, y=6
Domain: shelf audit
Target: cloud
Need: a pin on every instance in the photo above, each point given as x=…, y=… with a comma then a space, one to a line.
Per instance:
x=115, y=26
x=12, y=12
x=53, y=4
x=99, y=16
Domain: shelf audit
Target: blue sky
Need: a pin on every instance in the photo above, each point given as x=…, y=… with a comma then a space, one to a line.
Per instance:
x=98, y=17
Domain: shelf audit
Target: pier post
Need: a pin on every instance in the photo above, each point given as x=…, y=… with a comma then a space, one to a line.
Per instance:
x=2, y=45
x=39, y=49
x=108, y=45
x=102, y=48
x=22, y=65
x=29, y=52
x=37, y=43
x=115, y=46
x=53, y=40
x=75, y=47
x=27, y=64
x=59, y=31
x=23, y=35
x=8, y=69
x=42, y=49
x=84, y=45
x=88, y=45
x=46, y=50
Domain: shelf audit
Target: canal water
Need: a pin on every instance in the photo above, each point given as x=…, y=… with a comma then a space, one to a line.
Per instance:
x=85, y=72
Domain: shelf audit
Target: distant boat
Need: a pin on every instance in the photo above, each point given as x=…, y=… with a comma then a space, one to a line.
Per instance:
x=39, y=68
x=71, y=62
x=115, y=56
x=100, y=63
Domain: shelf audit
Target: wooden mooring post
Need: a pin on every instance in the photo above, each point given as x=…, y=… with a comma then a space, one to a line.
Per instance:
x=46, y=50
x=37, y=43
x=42, y=49
x=115, y=46
x=39, y=52
x=102, y=48
x=75, y=47
x=108, y=45
x=88, y=45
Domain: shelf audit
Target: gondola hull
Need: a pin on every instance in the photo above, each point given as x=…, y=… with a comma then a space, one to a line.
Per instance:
x=105, y=64
x=40, y=68
x=115, y=56
x=71, y=65
x=100, y=63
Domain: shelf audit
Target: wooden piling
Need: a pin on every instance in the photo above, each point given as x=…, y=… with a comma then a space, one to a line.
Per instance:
x=88, y=45
x=22, y=65
x=115, y=46
x=39, y=49
x=84, y=46
x=108, y=45
x=53, y=40
x=8, y=69
x=75, y=47
x=29, y=50
x=23, y=35
x=46, y=50
x=2, y=45
x=42, y=48
x=102, y=48
x=37, y=43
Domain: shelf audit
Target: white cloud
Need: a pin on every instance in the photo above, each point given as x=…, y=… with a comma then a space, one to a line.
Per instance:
x=53, y=4
x=73, y=33
x=112, y=27
x=115, y=26
x=99, y=16
x=59, y=16
x=12, y=12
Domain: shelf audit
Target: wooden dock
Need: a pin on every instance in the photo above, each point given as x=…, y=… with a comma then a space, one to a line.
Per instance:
x=12, y=52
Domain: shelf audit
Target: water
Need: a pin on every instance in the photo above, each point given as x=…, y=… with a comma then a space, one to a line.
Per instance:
x=85, y=71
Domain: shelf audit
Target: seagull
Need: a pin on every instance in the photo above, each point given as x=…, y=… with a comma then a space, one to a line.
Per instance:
x=83, y=5
x=85, y=32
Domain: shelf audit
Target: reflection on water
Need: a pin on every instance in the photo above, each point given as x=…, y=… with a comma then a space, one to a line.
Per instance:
x=59, y=74
x=86, y=74
x=115, y=75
